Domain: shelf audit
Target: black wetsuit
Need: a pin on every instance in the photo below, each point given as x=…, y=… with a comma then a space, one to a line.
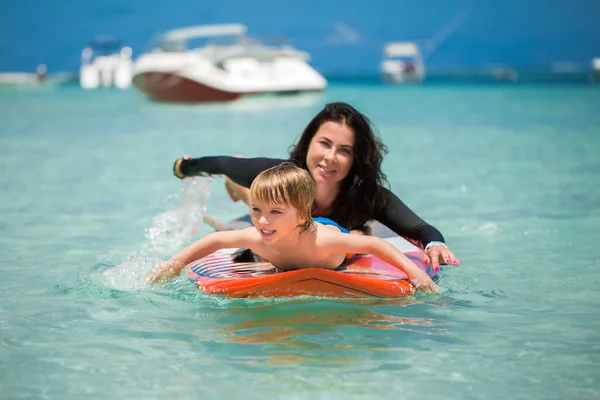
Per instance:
x=395, y=214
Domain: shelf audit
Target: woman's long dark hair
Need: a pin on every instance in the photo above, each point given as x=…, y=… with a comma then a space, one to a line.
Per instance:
x=361, y=192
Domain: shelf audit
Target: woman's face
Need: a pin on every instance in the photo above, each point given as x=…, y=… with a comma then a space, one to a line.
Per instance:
x=331, y=153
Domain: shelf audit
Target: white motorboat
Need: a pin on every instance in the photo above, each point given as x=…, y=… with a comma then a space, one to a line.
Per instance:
x=402, y=62
x=227, y=66
x=106, y=63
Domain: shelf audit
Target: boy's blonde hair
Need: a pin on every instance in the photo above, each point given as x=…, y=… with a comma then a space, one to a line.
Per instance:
x=289, y=185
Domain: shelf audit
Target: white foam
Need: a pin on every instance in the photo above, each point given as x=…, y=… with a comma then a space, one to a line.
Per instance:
x=167, y=234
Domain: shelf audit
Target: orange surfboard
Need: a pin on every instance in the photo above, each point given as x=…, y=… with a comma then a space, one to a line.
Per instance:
x=364, y=276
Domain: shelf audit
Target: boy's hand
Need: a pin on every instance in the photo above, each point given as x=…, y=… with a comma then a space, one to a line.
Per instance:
x=163, y=272
x=422, y=281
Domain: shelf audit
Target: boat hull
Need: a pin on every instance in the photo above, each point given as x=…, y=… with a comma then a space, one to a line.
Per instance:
x=168, y=87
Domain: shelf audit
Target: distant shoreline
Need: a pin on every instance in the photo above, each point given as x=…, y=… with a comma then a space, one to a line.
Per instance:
x=500, y=75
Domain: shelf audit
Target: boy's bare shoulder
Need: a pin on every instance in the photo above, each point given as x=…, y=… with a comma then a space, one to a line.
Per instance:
x=330, y=236
x=327, y=234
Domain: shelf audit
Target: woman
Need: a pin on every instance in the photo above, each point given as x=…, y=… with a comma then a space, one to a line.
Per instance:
x=344, y=156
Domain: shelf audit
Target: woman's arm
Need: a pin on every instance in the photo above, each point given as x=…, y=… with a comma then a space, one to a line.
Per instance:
x=240, y=170
x=201, y=248
x=398, y=217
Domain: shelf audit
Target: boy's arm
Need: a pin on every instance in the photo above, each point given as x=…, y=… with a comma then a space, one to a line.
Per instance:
x=200, y=248
x=384, y=250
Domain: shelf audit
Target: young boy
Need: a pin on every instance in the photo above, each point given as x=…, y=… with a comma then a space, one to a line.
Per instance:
x=286, y=235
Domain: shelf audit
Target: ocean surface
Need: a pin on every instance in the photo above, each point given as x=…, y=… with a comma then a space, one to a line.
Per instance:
x=509, y=173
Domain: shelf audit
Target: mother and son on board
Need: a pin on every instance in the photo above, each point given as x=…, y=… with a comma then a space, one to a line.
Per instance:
x=306, y=210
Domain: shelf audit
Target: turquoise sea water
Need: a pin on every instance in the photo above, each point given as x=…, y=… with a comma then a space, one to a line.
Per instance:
x=509, y=174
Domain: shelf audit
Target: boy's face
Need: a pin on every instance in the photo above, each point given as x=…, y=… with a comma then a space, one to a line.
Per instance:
x=274, y=221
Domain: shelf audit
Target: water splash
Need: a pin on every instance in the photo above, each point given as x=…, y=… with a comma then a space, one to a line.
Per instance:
x=129, y=275
x=171, y=229
x=168, y=233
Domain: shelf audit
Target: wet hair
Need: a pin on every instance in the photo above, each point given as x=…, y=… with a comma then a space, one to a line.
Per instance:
x=289, y=185
x=361, y=191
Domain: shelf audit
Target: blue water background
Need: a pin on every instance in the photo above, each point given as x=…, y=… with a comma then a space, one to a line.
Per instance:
x=509, y=173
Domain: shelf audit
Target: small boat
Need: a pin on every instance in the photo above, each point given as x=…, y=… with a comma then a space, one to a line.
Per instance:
x=238, y=273
x=106, y=62
x=40, y=79
x=504, y=74
x=226, y=66
x=402, y=62
x=25, y=78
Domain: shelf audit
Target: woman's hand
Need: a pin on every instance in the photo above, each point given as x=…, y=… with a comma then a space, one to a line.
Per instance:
x=177, y=166
x=439, y=254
